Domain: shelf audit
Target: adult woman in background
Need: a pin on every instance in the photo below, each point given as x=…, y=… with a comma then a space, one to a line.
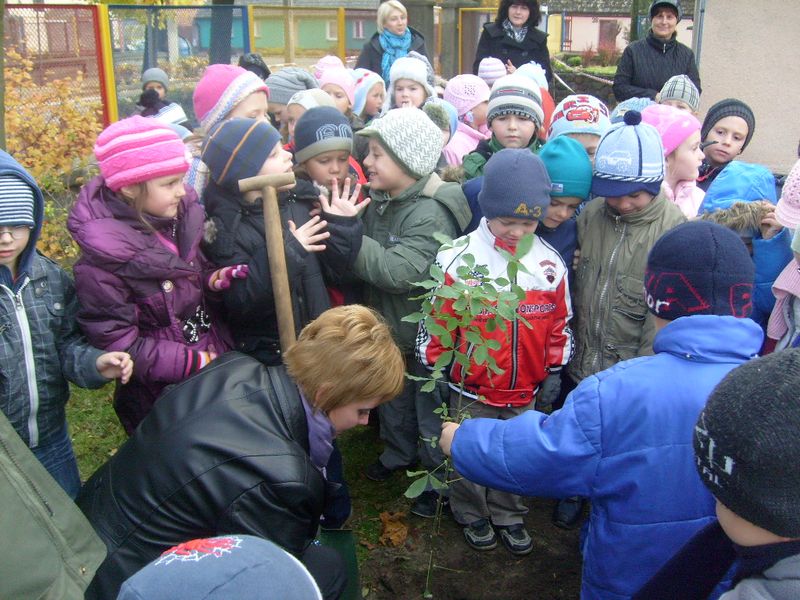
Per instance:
x=393, y=39
x=514, y=38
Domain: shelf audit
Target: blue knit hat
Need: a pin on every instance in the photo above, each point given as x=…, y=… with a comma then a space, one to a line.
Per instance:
x=515, y=185
x=237, y=149
x=699, y=268
x=16, y=202
x=629, y=158
x=637, y=104
x=739, y=182
x=319, y=130
x=569, y=167
x=222, y=568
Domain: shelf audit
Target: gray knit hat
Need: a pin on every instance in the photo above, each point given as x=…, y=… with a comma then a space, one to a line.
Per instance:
x=157, y=75
x=285, y=83
x=680, y=87
x=746, y=444
x=412, y=139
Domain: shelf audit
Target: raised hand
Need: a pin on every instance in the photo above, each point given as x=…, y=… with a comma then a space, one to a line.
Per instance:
x=310, y=234
x=344, y=204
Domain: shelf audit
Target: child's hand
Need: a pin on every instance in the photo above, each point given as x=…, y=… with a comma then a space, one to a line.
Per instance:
x=342, y=205
x=769, y=224
x=510, y=68
x=221, y=279
x=311, y=234
x=448, y=432
x=115, y=365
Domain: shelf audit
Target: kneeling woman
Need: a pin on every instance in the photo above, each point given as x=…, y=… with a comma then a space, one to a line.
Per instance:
x=240, y=448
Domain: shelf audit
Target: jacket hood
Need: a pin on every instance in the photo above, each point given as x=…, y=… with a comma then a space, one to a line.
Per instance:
x=743, y=217
x=740, y=182
x=9, y=166
x=697, y=338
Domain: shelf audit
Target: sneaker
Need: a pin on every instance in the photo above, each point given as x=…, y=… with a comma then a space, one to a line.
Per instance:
x=480, y=535
x=377, y=472
x=568, y=512
x=425, y=504
x=516, y=539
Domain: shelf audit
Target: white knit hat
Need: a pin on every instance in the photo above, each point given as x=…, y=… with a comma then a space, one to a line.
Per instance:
x=491, y=69
x=407, y=67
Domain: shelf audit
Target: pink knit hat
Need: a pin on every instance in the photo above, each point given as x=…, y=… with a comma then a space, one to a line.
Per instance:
x=340, y=77
x=138, y=149
x=788, y=210
x=673, y=125
x=327, y=62
x=220, y=89
x=465, y=92
x=491, y=69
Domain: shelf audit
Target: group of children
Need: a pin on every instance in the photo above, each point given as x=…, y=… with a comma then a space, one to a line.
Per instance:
x=174, y=269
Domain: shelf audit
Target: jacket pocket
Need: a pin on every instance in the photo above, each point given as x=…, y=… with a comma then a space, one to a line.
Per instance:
x=630, y=298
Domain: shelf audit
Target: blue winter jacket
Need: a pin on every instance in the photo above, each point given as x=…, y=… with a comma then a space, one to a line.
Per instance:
x=624, y=440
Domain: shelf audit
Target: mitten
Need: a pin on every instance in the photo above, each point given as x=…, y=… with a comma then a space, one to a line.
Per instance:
x=549, y=390
x=221, y=278
x=196, y=360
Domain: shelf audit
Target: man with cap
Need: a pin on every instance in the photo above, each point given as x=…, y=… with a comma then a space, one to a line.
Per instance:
x=647, y=64
x=624, y=436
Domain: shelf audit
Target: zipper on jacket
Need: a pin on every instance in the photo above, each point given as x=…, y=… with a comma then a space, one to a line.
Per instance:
x=25, y=476
x=30, y=367
x=604, y=291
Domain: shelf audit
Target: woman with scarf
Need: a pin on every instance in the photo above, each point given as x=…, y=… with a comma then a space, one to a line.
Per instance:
x=393, y=40
x=514, y=38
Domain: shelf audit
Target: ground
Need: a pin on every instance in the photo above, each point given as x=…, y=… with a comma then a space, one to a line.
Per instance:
x=551, y=571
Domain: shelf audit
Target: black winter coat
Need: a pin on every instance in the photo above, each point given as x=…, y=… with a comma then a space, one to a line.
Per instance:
x=224, y=452
x=372, y=52
x=646, y=65
x=495, y=42
x=237, y=237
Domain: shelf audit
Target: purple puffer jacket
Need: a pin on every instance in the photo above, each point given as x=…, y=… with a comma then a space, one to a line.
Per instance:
x=137, y=295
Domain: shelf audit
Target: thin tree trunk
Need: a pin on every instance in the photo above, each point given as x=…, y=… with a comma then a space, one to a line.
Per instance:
x=634, y=28
x=2, y=76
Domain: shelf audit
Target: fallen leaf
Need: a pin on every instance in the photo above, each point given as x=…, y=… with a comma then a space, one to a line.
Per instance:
x=395, y=530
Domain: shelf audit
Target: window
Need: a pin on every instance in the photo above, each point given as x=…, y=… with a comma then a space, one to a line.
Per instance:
x=331, y=31
x=358, y=30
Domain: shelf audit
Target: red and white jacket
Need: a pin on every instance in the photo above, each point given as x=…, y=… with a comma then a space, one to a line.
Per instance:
x=527, y=355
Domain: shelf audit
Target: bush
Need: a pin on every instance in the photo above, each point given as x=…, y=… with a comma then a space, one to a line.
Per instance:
x=574, y=61
x=588, y=54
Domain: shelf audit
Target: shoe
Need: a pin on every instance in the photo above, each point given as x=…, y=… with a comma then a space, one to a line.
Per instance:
x=480, y=535
x=516, y=539
x=377, y=472
x=425, y=504
x=568, y=512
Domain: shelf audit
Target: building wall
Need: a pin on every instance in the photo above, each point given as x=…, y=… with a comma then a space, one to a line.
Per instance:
x=586, y=31
x=748, y=50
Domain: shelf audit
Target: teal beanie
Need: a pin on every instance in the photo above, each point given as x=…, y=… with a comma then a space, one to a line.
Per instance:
x=568, y=166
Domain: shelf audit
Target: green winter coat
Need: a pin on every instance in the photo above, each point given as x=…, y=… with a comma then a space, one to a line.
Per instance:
x=398, y=247
x=51, y=552
x=611, y=322
x=475, y=161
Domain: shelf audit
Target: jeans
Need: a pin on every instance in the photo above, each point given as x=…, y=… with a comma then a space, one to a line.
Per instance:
x=58, y=458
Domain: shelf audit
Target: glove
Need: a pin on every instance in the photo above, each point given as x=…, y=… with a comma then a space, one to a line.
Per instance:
x=548, y=390
x=221, y=278
x=196, y=360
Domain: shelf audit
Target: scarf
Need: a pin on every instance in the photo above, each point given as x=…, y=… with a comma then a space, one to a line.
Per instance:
x=394, y=46
x=320, y=435
x=516, y=33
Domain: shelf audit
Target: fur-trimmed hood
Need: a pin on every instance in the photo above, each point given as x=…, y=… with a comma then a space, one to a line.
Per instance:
x=742, y=217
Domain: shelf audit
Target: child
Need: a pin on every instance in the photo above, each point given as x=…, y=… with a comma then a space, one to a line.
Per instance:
x=514, y=114
x=680, y=135
x=409, y=204
x=141, y=278
x=787, y=212
x=514, y=198
x=583, y=118
x=223, y=92
x=490, y=69
x=369, y=96
x=534, y=71
x=41, y=347
x=783, y=330
x=329, y=61
x=408, y=84
x=283, y=85
x=153, y=102
x=341, y=87
x=637, y=104
x=681, y=92
x=729, y=125
x=445, y=117
x=470, y=95
x=297, y=106
x=623, y=438
x=615, y=232
x=254, y=63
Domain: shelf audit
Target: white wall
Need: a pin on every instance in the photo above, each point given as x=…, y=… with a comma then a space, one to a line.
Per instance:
x=749, y=51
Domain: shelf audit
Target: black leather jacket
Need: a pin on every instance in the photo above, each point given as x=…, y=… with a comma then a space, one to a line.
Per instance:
x=224, y=452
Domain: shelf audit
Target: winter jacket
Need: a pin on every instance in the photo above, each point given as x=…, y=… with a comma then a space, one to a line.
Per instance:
x=780, y=582
x=686, y=196
x=41, y=346
x=372, y=52
x=495, y=42
x=464, y=141
x=398, y=247
x=52, y=552
x=612, y=322
x=237, y=237
x=530, y=353
x=623, y=440
x=646, y=65
x=224, y=452
x=139, y=296
x=784, y=322
x=475, y=161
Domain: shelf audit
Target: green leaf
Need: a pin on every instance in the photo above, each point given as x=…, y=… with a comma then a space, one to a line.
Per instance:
x=512, y=269
x=416, y=473
x=524, y=245
x=437, y=484
x=501, y=282
x=473, y=337
x=445, y=358
x=428, y=387
x=417, y=487
x=493, y=344
x=413, y=317
x=480, y=355
x=437, y=273
x=491, y=325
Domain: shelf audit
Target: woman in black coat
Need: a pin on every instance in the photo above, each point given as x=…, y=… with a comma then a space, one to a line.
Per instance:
x=514, y=38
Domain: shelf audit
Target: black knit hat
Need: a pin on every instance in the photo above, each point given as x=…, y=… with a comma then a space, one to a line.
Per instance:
x=730, y=107
x=699, y=268
x=746, y=443
x=255, y=64
x=321, y=129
